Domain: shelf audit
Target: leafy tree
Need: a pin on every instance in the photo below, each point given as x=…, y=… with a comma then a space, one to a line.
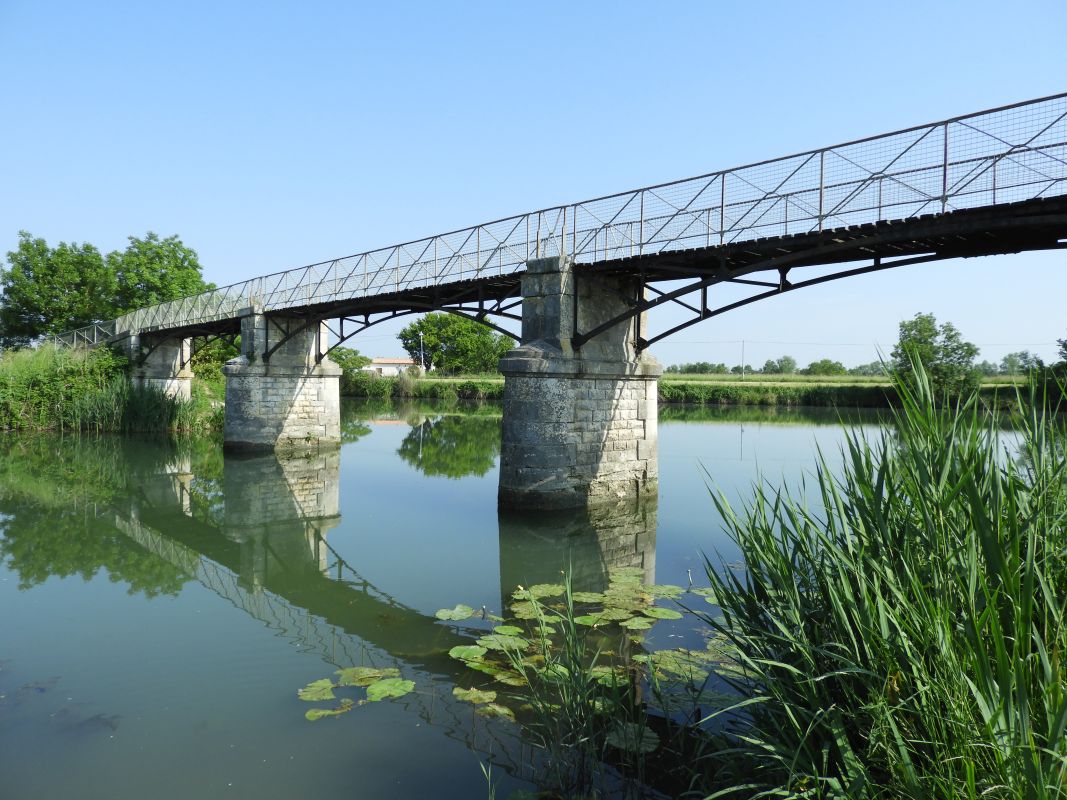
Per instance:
x=1018, y=363
x=349, y=359
x=872, y=369
x=786, y=365
x=49, y=290
x=698, y=368
x=455, y=344
x=1063, y=349
x=988, y=368
x=153, y=270
x=948, y=359
x=825, y=366
x=737, y=369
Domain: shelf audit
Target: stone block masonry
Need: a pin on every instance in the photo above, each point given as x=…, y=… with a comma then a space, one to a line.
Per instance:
x=287, y=402
x=161, y=364
x=579, y=427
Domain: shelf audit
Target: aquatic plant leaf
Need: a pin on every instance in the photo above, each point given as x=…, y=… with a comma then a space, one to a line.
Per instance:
x=467, y=652
x=508, y=630
x=626, y=575
x=680, y=663
x=389, y=687
x=317, y=690
x=498, y=641
x=474, y=695
x=510, y=678
x=637, y=623
x=554, y=673
x=587, y=597
x=616, y=614
x=487, y=668
x=590, y=620
x=661, y=613
x=632, y=737
x=524, y=610
x=364, y=676
x=495, y=710
x=458, y=613
x=664, y=590
x=538, y=591
x=313, y=714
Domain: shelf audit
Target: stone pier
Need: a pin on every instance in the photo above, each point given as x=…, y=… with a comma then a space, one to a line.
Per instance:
x=580, y=425
x=281, y=399
x=161, y=363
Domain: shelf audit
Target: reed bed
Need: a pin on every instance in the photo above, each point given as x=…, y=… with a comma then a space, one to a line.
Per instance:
x=900, y=622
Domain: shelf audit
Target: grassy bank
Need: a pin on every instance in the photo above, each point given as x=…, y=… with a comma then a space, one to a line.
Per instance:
x=88, y=390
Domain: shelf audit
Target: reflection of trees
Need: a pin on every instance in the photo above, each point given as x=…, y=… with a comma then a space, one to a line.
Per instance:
x=39, y=543
x=453, y=446
x=56, y=494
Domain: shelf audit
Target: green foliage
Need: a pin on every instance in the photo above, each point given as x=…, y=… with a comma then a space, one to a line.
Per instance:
x=1063, y=349
x=153, y=270
x=1019, y=363
x=874, y=368
x=454, y=344
x=698, y=368
x=349, y=359
x=63, y=389
x=825, y=366
x=786, y=365
x=941, y=351
x=903, y=635
x=49, y=290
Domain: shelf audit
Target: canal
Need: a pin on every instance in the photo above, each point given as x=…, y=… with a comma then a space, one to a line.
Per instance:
x=160, y=605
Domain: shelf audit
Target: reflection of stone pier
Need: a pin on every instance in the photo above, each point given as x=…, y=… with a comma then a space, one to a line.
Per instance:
x=539, y=547
x=280, y=511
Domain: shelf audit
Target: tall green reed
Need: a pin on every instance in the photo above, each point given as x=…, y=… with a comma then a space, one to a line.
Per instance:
x=900, y=626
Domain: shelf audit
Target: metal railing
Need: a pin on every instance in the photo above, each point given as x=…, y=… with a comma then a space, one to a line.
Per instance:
x=1003, y=155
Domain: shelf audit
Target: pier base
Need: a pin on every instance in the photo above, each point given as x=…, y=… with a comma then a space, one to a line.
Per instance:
x=277, y=397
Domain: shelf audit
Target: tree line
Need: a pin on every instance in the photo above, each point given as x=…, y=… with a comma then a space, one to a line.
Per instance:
x=948, y=358
x=48, y=290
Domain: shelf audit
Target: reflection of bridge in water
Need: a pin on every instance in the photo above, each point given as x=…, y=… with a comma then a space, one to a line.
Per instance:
x=257, y=539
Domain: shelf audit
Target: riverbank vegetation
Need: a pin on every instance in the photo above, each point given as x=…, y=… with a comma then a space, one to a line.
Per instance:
x=55, y=388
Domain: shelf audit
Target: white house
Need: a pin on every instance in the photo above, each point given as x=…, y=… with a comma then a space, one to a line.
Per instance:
x=388, y=367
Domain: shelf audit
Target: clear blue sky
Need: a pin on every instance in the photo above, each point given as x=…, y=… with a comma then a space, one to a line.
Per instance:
x=270, y=135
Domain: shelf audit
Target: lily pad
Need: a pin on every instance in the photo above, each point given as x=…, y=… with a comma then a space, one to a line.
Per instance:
x=664, y=590
x=588, y=597
x=538, y=591
x=707, y=593
x=508, y=630
x=661, y=613
x=510, y=678
x=364, y=676
x=313, y=714
x=460, y=612
x=524, y=610
x=389, y=687
x=495, y=710
x=616, y=614
x=590, y=620
x=637, y=623
x=467, y=652
x=498, y=641
x=633, y=738
x=317, y=690
x=474, y=695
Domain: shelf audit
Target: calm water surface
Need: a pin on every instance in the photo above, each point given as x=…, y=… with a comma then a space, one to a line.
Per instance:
x=160, y=605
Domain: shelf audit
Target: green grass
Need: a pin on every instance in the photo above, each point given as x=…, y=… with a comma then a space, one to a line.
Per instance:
x=902, y=631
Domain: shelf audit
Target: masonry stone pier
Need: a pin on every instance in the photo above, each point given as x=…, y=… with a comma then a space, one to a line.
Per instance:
x=580, y=425
x=161, y=363
x=279, y=395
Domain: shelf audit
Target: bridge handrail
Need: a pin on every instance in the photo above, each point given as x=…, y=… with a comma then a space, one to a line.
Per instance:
x=1001, y=155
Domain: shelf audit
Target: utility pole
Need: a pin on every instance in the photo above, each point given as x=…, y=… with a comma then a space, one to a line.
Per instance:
x=422, y=361
x=742, y=359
